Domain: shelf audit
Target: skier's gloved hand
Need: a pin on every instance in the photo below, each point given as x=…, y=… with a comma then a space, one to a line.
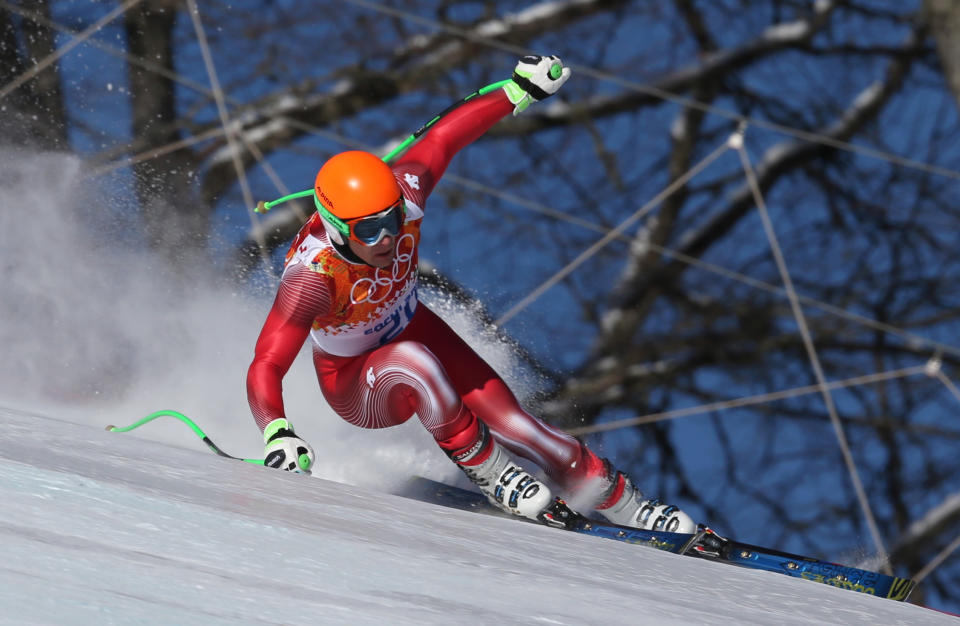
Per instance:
x=535, y=78
x=284, y=450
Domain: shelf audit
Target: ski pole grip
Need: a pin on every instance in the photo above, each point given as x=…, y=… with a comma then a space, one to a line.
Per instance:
x=555, y=71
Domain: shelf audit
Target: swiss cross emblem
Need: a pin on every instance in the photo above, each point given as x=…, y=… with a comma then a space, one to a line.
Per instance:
x=412, y=179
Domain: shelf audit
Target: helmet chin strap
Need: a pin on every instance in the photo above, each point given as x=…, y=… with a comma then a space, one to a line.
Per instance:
x=332, y=232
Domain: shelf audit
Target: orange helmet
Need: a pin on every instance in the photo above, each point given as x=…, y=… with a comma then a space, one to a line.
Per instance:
x=356, y=184
x=353, y=185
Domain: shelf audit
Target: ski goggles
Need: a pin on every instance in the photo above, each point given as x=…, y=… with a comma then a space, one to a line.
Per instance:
x=369, y=230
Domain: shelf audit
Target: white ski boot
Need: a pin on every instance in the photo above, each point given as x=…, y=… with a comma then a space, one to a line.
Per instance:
x=507, y=485
x=633, y=510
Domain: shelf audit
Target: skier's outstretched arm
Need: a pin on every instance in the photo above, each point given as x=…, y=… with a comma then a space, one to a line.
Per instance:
x=535, y=78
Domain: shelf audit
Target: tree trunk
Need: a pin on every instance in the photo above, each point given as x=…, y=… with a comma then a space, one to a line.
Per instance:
x=34, y=113
x=944, y=19
x=176, y=222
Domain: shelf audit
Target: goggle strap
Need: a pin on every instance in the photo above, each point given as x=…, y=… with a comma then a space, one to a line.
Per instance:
x=342, y=227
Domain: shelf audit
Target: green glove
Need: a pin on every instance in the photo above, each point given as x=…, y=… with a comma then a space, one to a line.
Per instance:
x=535, y=78
x=284, y=450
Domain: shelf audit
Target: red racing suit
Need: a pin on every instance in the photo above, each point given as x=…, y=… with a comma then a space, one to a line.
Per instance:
x=380, y=355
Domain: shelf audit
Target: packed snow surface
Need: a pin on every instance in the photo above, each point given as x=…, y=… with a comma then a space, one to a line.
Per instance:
x=108, y=528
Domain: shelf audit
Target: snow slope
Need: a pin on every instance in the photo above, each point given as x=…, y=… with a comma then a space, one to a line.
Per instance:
x=106, y=528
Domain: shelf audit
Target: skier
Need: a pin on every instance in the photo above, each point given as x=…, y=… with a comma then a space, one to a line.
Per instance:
x=350, y=282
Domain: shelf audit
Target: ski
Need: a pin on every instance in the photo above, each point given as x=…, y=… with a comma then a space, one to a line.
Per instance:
x=703, y=544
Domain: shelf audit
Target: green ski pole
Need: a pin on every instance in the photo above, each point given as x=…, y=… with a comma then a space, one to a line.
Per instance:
x=263, y=207
x=189, y=422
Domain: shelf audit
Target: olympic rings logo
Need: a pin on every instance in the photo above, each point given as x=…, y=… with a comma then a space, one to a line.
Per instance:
x=377, y=289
